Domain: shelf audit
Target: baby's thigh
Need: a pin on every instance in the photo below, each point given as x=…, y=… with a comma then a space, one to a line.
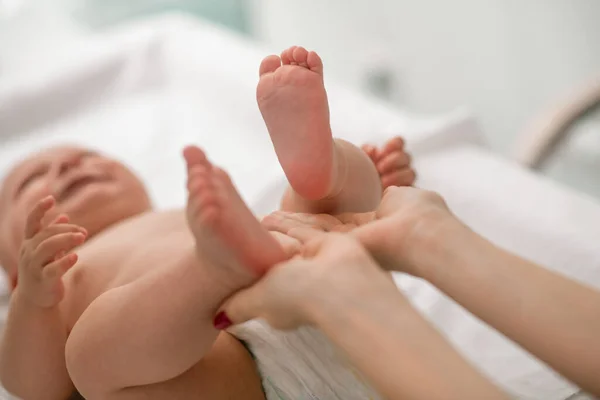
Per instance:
x=226, y=372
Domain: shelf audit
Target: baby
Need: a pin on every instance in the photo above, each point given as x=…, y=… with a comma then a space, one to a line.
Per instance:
x=130, y=314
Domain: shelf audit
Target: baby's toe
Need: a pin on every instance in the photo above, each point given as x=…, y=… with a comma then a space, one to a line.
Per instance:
x=314, y=62
x=286, y=55
x=300, y=56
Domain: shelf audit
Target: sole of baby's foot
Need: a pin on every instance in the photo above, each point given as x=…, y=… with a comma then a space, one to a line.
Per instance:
x=226, y=231
x=293, y=102
x=392, y=162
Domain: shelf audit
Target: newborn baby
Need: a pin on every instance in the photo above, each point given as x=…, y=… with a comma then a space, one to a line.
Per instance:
x=130, y=314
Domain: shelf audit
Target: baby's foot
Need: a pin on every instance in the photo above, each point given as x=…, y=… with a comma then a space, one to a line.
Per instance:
x=293, y=103
x=392, y=163
x=226, y=231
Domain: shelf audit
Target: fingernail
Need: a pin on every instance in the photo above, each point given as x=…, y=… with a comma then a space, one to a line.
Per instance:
x=222, y=321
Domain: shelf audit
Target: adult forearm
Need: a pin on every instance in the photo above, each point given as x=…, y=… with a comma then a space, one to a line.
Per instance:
x=399, y=352
x=555, y=318
x=32, y=353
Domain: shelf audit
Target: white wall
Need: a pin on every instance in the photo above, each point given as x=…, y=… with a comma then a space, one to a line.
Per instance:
x=505, y=59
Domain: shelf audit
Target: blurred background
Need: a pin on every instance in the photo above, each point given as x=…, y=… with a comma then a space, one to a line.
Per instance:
x=528, y=70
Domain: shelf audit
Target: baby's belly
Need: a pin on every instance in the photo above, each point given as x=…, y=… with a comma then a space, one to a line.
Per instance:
x=110, y=264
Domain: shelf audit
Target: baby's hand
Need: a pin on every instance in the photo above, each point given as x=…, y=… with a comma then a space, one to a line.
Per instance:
x=44, y=256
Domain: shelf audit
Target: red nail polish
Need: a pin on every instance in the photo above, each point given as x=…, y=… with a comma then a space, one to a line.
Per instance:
x=222, y=321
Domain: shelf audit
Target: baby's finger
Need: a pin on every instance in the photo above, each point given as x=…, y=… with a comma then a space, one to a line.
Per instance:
x=56, y=229
x=393, y=162
x=46, y=251
x=59, y=255
x=58, y=268
x=34, y=219
x=193, y=156
x=404, y=177
x=393, y=145
x=61, y=219
x=370, y=150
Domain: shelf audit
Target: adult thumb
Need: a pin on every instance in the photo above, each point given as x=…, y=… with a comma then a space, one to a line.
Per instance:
x=240, y=307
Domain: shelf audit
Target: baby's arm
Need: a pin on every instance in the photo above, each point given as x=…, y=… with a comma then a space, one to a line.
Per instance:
x=32, y=352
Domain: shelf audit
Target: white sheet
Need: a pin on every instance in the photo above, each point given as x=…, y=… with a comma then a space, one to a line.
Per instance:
x=143, y=92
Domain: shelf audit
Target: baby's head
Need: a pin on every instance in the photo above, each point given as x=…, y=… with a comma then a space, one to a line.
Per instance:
x=94, y=191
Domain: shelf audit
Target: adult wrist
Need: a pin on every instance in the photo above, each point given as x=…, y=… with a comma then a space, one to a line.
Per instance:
x=335, y=310
x=433, y=245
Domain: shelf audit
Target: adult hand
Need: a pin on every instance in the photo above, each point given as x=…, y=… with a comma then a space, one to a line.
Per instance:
x=340, y=290
x=405, y=215
x=336, y=272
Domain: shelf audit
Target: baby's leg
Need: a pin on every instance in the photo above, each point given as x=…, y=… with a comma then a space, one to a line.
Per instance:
x=325, y=175
x=161, y=325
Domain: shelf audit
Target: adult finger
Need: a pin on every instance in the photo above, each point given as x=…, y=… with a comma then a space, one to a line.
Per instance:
x=279, y=222
x=357, y=219
x=324, y=222
x=345, y=228
x=372, y=241
x=305, y=234
x=34, y=219
x=330, y=244
x=243, y=306
x=291, y=246
x=283, y=221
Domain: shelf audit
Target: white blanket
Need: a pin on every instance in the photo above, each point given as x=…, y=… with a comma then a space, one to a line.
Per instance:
x=145, y=91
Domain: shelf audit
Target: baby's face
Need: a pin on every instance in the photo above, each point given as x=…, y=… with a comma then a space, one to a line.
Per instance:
x=93, y=190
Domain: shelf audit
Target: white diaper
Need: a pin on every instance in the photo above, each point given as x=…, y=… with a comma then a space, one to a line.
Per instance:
x=301, y=365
